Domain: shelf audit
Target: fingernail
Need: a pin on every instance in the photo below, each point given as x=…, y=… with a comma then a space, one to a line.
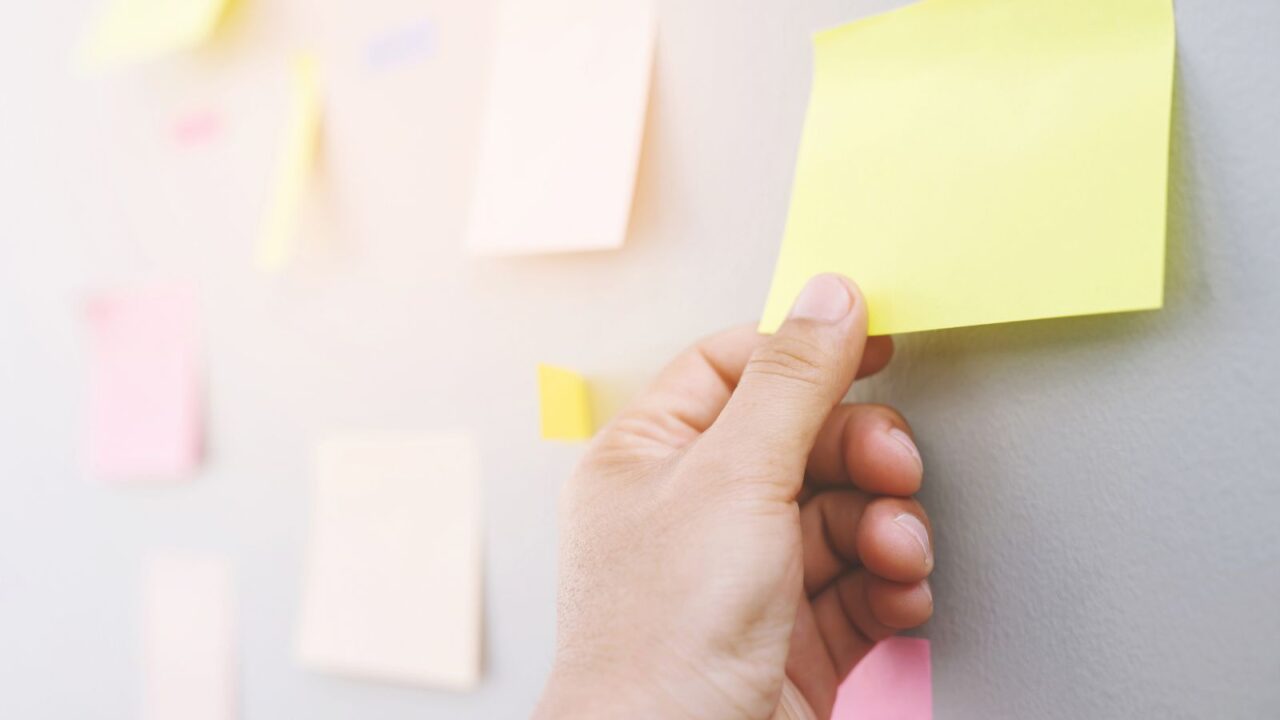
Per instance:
x=825, y=299
x=928, y=591
x=906, y=442
x=912, y=524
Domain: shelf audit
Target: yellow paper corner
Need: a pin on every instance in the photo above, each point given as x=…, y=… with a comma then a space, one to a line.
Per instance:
x=294, y=169
x=565, y=404
x=134, y=30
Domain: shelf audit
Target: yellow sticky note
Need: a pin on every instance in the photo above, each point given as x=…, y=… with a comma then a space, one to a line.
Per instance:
x=981, y=161
x=565, y=403
x=295, y=166
x=132, y=30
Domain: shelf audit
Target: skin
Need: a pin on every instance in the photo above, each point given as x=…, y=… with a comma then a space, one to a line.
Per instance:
x=738, y=535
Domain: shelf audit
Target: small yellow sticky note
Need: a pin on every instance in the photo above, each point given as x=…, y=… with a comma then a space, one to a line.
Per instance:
x=295, y=166
x=133, y=30
x=981, y=161
x=565, y=403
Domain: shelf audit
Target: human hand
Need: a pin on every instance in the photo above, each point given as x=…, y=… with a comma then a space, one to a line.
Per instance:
x=737, y=540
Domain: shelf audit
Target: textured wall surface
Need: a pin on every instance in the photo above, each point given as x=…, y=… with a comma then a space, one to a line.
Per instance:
x=1105, y=490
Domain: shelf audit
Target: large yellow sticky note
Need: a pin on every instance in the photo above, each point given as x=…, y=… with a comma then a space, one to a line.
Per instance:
x=294, y=168
x=981, y=161
x=132, y=30
x=565, y=404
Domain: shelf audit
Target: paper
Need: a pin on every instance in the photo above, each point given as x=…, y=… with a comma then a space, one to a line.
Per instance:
x=197, y=128
x=565, y=404
x=983, y=161
x=561, y=136
x=133, y=30
x=893, y=682
x=189, y=666
x=294, y=169
x=144, y=412
x=393, y=585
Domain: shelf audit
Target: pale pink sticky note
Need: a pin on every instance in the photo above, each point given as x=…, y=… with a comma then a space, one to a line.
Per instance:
x=188, y=639
x=893, y=682
x=144, y=397
x=196, y=128
x=563, y=124
x=392, y=587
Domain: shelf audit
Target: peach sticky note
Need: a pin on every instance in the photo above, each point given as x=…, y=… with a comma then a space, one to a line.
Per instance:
x=564, y=404
x=133, y=30
x=294, y=167
x=982, y=161
x=563, y=125
x=393, y=585
x=893, y=682
x=144, y=414
x=189, y=666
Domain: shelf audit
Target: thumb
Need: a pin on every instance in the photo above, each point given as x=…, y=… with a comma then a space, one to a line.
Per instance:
x=792, y=382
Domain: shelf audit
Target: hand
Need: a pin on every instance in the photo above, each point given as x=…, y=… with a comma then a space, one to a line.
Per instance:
x=738, y=531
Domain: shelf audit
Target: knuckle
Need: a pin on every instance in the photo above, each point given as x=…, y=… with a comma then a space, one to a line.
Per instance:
x=792, y=360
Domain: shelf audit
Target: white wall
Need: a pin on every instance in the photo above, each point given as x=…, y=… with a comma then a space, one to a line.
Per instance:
x=1104, y=489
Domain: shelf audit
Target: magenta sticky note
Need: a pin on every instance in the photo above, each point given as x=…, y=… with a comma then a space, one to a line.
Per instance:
x=893, y=682
x=144, y=389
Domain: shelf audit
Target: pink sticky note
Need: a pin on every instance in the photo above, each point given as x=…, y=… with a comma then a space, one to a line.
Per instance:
x=144, y=398
x=893, y=682
x=189, y=666
x=196, y=128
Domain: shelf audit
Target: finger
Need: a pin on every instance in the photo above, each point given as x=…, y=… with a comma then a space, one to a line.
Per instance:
x=876, y=356
x=859, y=610
x=894, y=540
x=688, y=395
x=845, y=622
x=809, y=666
x=900, y=606
x=829, y=536
x=870, y=446
x=791, y=383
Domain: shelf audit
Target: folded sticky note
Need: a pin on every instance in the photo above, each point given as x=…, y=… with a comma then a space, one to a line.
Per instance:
x=982, y=161
x=294, y=167
x=393, y=587
x=144, y=414
x=189, y=668
x=561, y=137
x=565, y=404
x=893, y=682
x=132, y=30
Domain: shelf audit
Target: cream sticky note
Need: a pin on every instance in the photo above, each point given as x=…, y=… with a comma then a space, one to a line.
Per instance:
x=564, y=404
x=893, y=682
x=189, y=665
x=981, y=161
x=393, y=586
x=563, y=125
x=133, y=30
x=144, y=402
x=295, y=167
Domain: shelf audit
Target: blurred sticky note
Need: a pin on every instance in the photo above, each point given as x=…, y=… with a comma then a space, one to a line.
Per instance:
x=295, y=167
x=561, y=137
x=981, y=161
x=189, y=666
x=144, y=412
x=565, y=404
x=393, y=585
x=893, y=682
x=133, y=30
